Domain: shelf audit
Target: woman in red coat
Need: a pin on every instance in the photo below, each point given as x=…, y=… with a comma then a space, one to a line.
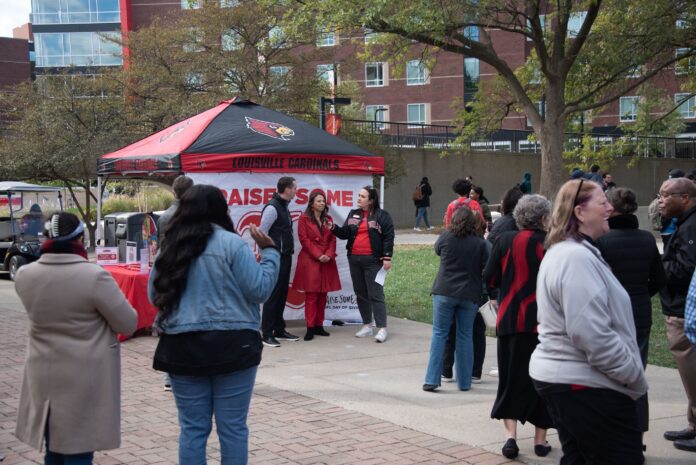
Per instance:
x=316, y=273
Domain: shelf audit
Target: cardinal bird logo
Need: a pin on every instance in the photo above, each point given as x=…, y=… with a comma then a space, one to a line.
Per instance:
x=267, y=128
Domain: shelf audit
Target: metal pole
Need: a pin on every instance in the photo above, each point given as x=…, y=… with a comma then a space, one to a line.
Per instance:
x=322, y=116
x=99, y=234
x=381, y=192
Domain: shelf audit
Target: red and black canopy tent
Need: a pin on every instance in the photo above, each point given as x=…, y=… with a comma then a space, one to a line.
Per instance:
x=239, y=136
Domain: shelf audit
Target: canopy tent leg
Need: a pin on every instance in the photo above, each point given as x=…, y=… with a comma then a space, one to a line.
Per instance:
x=99, y=234
x=381, y=192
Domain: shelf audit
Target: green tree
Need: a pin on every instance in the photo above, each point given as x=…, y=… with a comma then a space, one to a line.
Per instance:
x=56, y=128
x=585, y=54
x=181, y=65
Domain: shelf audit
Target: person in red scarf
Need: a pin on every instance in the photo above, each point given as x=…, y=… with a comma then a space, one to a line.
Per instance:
x=316, y=273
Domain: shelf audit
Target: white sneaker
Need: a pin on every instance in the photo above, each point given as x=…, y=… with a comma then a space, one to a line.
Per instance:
x=381, y=335
x=431, y=227
x=417, y=229
x=493, y=372
x=475, y=380
x=365, y=331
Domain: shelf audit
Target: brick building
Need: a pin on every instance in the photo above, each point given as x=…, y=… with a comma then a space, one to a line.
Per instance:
x=68, y=34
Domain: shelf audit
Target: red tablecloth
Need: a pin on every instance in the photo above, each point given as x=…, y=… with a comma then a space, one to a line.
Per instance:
x=134, y=287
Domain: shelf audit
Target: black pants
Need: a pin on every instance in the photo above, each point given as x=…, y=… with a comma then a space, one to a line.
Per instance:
x=370, y=295
x=596, y=427
x=479, y=348
x=272, y=320
x=643, y=337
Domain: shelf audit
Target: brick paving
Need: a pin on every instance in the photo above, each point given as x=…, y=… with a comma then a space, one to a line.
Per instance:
x=286, y=428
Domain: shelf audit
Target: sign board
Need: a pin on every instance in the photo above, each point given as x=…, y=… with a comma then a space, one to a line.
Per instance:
x=107, y=255
x=247, y=193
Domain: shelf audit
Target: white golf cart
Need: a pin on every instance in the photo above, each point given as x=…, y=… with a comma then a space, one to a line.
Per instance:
x=21, y=236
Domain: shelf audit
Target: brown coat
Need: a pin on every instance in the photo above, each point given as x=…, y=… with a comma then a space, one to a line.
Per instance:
x=73, y=365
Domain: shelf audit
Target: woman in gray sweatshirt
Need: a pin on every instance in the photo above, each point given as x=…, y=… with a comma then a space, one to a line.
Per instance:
x=587, y=366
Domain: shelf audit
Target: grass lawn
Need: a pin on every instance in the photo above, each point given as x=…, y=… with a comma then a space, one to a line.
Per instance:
x=407, y=291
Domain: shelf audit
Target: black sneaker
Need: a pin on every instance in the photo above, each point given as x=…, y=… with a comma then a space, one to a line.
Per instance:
x=285, y=336
x=270, y=341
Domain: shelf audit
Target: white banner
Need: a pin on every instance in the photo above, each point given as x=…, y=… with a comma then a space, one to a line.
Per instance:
x=247, y=193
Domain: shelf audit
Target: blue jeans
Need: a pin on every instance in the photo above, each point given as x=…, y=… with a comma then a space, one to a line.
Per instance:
x=53, y=458
x=445, y=309
x=422, y=212
x=227, y=397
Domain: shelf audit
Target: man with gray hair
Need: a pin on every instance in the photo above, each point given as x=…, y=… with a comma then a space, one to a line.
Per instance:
x=677, y=199
x=180, y=185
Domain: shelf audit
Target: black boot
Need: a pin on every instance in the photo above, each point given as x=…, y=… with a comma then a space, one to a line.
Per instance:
x=320, y=331
x=310, y=334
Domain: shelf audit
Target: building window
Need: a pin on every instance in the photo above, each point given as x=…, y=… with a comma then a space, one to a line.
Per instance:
x=575, y=22
x=190, y=4
x=471, y=33
x=276, y=36
x=231, y=40
x=326, y=72
x=542, y=21
x=541, y=108
x=228, y=3
x=194, y=82
x=684, y=65
x=75, y=11
x=688, y=108
x=374, y=74
x=377, y=113
x=77, y=49
x=415, y=114
x=471, y=74
x=370, y=36
x=326, y=39
x=415, y=73
x=628, y=108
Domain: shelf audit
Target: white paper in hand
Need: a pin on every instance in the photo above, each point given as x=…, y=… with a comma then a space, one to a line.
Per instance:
x=381, y=276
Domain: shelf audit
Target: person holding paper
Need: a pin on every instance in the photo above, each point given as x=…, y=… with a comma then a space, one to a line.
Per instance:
x=316, y=273
x=512, y=269
x=456, y=292
x=369, y=231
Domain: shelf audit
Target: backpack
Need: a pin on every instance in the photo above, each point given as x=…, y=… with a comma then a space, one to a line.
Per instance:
x=417, y=194
x=654, y=214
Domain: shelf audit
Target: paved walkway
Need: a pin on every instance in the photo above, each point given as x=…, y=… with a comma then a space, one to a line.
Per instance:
x=335, y=400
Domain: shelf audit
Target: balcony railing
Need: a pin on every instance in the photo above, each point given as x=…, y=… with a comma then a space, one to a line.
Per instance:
x=413, y=135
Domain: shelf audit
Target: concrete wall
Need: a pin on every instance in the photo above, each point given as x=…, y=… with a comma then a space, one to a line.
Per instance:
x=496, y=172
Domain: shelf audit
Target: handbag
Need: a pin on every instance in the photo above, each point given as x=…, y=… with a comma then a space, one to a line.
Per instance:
x=489, y=314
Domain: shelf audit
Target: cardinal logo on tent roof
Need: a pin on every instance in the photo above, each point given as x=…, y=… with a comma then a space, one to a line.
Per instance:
x=270, y=129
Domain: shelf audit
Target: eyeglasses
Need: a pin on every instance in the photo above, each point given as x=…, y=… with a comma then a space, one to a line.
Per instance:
x=670, y=194
x=577, y=194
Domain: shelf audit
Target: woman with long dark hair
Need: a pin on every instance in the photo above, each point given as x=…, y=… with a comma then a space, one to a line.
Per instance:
x=477, y=194
x=587, y=365
x=369, y=231
x=316, y=273
x=208, y=287
x=456, y=292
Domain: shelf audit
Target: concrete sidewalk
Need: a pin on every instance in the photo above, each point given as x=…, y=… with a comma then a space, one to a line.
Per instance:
x=334, y=400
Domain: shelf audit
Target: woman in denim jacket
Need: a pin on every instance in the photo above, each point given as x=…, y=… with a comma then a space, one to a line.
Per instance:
x=208, y=287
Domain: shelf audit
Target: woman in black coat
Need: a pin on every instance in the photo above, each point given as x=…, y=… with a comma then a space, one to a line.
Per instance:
x=635, y=260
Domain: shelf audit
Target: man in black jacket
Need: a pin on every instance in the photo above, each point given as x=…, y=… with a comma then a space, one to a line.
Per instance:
x=678, y=200
x=277, y=223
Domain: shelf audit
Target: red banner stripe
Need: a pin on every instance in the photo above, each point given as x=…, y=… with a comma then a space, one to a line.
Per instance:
x=280, y=163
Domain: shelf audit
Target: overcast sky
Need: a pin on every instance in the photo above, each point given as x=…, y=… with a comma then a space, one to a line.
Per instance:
x=13, y=13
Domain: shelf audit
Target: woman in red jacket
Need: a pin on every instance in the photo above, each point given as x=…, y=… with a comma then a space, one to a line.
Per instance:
x=316, y=273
